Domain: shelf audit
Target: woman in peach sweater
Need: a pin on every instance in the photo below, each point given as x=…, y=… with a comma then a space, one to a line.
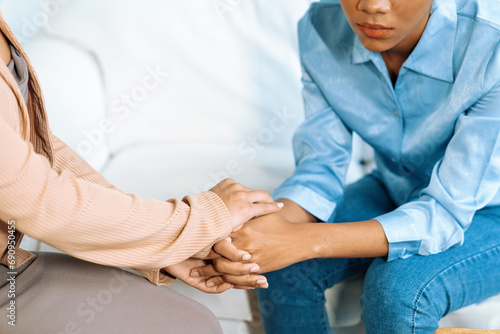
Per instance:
x=49, y=193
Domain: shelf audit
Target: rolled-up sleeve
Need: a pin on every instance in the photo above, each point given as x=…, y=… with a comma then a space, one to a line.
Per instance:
x=465, y=180
x=322, y=147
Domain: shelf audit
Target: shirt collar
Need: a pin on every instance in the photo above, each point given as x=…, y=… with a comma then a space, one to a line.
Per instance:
x=433, y=55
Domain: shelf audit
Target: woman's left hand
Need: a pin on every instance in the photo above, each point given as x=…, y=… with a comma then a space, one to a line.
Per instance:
x=183, y=272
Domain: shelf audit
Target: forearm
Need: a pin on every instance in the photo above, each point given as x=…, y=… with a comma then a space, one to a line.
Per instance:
x=65, y=159
x=98, y=224
x=345, y=240
x=294, y=213
x=336, y=240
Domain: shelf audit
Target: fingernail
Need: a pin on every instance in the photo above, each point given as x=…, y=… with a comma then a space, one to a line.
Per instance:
x=264, y=286
x=229, y=239
x=280, y=205
x=254, y=269
x=210, y=284
x=261, y=282
x=246, y=257
x=195, y=274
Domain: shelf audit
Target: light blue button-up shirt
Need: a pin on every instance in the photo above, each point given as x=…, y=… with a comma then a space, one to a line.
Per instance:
x=435, y=134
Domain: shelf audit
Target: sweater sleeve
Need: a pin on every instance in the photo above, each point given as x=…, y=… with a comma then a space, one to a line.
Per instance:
x=67, y=159
x=85, y=218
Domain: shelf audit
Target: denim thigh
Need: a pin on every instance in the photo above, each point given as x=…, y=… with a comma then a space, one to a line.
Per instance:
x=412, y=295
x=295, y=299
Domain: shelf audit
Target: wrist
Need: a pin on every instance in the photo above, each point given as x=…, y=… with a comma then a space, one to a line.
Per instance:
x=166, y=272
x=307, y=240
x=347, y=240
x=294, y=213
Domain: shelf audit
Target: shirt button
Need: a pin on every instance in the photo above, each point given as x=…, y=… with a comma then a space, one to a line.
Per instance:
x=393, y=159
x=396, y=112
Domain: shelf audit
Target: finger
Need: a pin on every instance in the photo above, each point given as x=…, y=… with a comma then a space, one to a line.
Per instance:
x=223, y=287
x=242, y=287
x=261, y=209
x=226, y=249
x=215, y=289
x=214, y=281
x=206, y=271
x=226, y=266
x=261, y=196
x=255, y=281
x=222, y=184
x=212, y=255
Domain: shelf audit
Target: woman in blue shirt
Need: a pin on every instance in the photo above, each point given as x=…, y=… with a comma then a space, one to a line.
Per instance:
x=419, y=81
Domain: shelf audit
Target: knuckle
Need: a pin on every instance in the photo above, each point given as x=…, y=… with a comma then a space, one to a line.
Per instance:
x=216, y=263
x=227, y=278
x=237, y=186
x=217, y=280
x=240, y=196
x=228, y=181
x=239, y=269
x=249, y=280
x=219, y=264
x=218, y=248
x=264, y=194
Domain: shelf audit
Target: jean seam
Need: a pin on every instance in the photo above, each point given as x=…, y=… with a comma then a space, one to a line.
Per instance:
x=431, y=280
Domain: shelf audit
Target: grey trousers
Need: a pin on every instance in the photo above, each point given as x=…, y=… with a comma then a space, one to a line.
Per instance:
x=58, y=294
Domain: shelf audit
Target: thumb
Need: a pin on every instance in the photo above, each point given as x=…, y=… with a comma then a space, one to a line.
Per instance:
x=212, y=255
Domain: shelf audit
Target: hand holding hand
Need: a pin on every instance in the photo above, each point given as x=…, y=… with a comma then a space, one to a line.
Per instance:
x=244, y=203
x=183, y=269
x=273, y=242
x=234, y=268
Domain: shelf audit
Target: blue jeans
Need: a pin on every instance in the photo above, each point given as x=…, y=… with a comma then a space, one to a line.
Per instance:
x=400, y=296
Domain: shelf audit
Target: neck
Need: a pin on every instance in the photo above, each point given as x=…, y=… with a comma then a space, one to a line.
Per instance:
x=4, y=49
x=396, y=56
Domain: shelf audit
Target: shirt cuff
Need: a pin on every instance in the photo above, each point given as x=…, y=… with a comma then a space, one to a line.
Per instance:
x=402, y=234
x=308, y=199
x=157, y=276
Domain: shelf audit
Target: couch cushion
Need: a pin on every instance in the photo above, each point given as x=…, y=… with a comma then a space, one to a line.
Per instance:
x=163, y=171
x=187, y=71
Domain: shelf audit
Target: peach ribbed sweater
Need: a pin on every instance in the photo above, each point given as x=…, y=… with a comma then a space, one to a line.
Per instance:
x=54, y=196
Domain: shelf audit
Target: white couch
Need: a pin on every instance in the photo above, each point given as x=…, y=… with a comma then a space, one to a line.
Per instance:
x=172, y=96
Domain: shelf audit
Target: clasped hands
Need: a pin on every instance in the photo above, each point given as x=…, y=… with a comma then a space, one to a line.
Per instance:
x=262, y=241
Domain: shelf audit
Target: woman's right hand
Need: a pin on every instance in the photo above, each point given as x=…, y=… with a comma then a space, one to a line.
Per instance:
x=244, y=203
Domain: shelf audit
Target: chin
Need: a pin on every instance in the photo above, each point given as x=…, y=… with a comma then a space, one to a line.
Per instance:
x=375, y=45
